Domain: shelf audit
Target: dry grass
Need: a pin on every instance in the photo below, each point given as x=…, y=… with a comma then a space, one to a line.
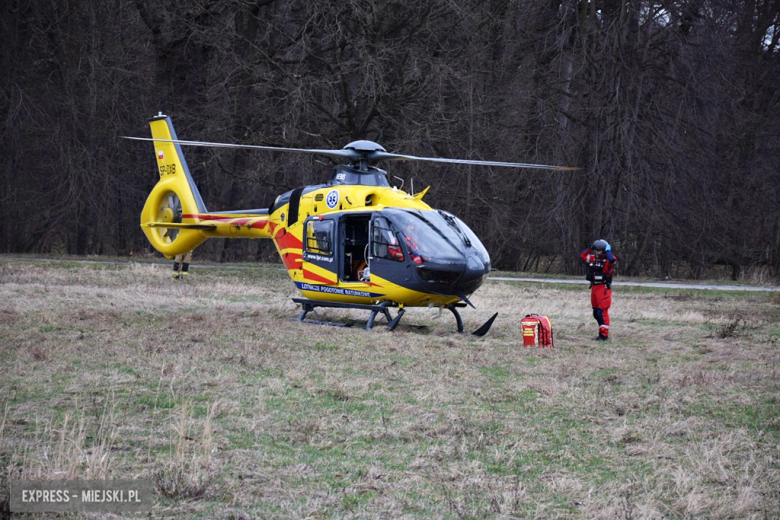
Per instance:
x=233, y=410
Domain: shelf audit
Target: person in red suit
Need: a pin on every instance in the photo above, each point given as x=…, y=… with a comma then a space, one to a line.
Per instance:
x=411, y=244
x=601, y=264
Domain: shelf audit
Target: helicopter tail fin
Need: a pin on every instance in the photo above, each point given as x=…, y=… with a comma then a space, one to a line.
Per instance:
x=175, y=199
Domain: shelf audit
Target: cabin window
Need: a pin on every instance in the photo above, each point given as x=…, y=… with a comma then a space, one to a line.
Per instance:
x=319, y=237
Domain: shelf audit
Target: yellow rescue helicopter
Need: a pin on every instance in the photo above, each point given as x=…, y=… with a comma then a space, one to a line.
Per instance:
x=352, y=242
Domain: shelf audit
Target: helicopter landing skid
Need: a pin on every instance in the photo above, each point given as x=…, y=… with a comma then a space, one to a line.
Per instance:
x=341, y=324
x=384, y=307
x=453, y=308
x=309, y=305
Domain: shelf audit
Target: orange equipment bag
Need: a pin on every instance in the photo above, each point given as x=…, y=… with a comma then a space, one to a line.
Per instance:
x=537, y=331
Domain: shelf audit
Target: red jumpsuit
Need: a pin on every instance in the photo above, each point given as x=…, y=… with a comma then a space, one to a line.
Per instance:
x=600, y=268
x=398, y=255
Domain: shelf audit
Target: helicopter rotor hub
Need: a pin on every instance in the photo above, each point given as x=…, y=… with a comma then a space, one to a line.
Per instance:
x=364, y=152
x=365, y=147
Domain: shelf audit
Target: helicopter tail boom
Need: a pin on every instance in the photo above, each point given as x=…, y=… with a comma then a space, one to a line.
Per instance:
x=232, y=225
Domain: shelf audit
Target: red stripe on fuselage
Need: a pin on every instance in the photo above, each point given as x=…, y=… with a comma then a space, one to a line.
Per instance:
x=308, y=275
x=286, y=240
x=233, y=221
x=291, y=260
x=207, y=217
x=240, y=221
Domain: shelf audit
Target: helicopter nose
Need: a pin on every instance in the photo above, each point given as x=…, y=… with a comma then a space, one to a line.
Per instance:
x=462, y=276
x=475, y=274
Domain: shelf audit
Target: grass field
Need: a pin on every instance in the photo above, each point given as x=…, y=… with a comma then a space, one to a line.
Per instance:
x=207, y=388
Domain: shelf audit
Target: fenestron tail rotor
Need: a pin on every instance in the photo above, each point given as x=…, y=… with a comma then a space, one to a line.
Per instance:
x=170, y=211
x=360, y=152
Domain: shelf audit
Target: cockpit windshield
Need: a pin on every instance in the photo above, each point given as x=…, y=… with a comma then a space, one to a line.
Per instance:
x=473, y=240
x=427, y=234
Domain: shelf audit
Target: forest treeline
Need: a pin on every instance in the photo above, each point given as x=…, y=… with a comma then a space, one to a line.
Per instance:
x=670, y=108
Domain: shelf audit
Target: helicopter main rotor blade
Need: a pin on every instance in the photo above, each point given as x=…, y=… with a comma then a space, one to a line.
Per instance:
x=371, y=157
x=339, y=154
x=385, y=156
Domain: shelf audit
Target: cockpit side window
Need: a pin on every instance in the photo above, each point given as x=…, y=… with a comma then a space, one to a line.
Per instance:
x=384, y=241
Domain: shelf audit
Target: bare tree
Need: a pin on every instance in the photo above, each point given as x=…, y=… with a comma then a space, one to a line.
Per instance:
x=668, y=107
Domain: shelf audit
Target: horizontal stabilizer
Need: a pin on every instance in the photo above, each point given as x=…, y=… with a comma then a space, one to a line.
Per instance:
x=179, y=225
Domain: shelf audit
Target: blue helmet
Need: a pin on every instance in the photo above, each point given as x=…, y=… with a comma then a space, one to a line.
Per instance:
x=601, y=245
